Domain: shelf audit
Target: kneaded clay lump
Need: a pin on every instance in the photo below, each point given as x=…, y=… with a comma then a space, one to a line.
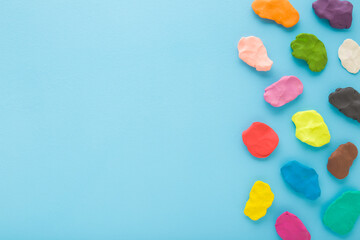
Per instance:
x=309, y=48
x=281, y=11
x=339, y=13
x=253, y=52
x=342, y=214
x=347, y=100
x=349, y=55
x=341, y=160
x=311, y=128
x=260, y=199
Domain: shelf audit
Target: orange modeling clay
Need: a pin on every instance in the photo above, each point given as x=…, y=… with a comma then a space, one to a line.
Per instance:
x=281, y=11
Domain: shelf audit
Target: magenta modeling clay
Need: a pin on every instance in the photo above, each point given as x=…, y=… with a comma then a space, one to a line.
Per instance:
x=289, y=227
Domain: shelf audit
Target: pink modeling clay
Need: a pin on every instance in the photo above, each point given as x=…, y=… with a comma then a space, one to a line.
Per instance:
x=283, y=91
x=290, y=227
x=253, y=52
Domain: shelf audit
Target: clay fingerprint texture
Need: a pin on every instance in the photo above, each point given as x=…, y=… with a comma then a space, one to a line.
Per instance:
x=283, y=91
x=347, y=101
x=289, y=227
x=281, y=11
x=342, y=214
x=349, y=55
x=338, y=12
x=311, y=128
x=309, y=48
x=260, y=139
x=253, y=52
x=302, y=179
x=341, y=160
x=260, y=199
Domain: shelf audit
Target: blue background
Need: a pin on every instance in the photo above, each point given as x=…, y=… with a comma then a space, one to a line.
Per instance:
x=122, y=119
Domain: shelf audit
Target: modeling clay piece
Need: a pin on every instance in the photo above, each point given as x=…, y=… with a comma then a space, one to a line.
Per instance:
x=339, y=13
x=260, y=199
x=311, y=128
x=309, y=48
x=290, y=227
x=347, y=100
x=342, y=214
x=349, y=54
x=283, y=91
x=260, y=139
x=281, y=11
x=340, y=161
x=302, y=179
x=253, y=52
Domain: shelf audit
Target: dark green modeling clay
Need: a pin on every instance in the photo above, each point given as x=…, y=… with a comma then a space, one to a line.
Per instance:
x=342, y=214
x=309, y=48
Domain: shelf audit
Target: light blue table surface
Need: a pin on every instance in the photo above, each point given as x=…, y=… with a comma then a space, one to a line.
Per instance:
x=122, y=119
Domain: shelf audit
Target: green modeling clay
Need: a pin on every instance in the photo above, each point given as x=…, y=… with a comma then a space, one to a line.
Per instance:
x=342, y=214
x=309, y=48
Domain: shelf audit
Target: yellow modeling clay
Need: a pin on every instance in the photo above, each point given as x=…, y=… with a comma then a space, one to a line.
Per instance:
x=260, y=199
x=311, y=128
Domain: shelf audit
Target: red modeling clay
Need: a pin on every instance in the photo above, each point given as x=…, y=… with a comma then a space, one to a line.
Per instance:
x=260, y=139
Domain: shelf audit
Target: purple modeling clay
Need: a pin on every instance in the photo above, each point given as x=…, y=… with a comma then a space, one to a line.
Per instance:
x=339, y=13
